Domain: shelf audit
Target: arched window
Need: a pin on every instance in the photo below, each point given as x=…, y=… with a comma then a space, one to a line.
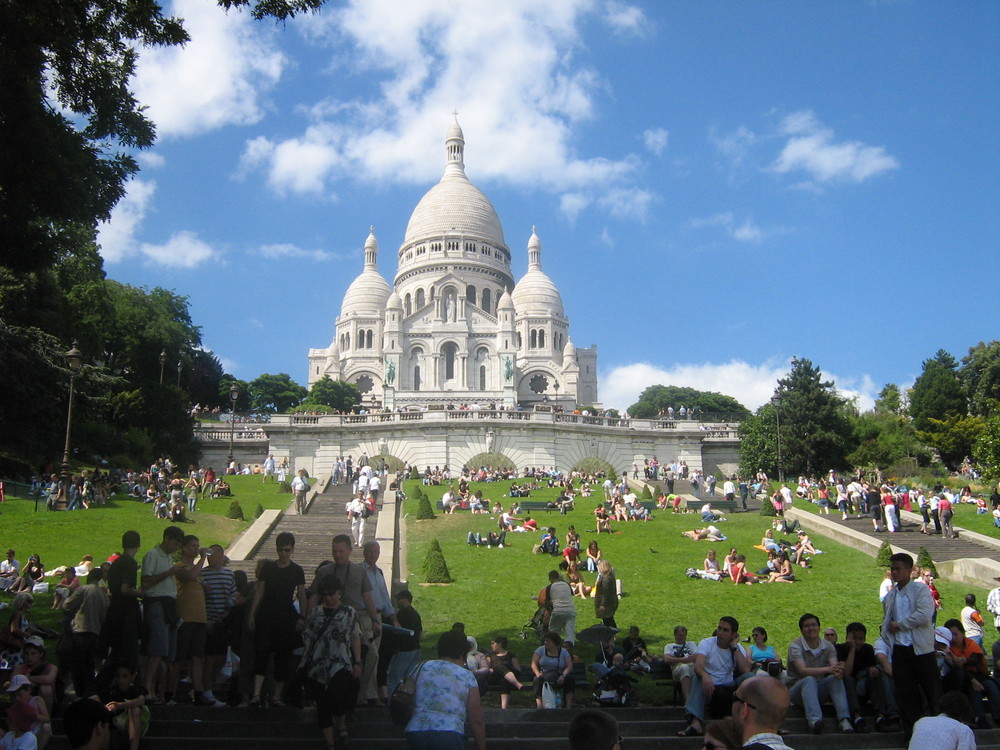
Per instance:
x=534, y=339
x=420, y=299
x=470, y=294
x=487, y=300
x=416, y=377
x=541, y=338
x=450, y=353
x=407, y=307
x=482, y=377
x=520, y=343
x=370, y=341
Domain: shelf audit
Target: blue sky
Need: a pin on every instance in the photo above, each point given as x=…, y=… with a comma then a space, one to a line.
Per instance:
x=718, y=186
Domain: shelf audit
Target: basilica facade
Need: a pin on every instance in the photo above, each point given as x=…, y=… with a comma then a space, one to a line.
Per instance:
x=454, y=327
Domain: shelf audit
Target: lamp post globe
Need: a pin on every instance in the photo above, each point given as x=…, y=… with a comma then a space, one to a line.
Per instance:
x=74, y=361
x=163, y=361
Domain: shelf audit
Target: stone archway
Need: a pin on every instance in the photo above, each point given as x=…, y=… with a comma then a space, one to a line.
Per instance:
x=491, y=460
x=594, y=465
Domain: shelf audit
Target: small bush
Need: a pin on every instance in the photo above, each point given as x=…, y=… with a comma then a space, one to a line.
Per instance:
x=646, y=494
x=258, y=511
x=884, y=553
x=235, y=511
x=924, y=561
x=435, y=568
x=767, y=507
x=414, y=472
x=424, y=510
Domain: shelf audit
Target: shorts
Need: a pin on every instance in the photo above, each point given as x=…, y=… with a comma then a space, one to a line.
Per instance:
x=191, y=640
x=217, y=640
x=679, y=671
x=158, y=638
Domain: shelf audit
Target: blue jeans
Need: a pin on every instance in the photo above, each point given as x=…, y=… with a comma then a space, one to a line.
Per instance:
x=695, y=705
x=399, y=667
x=810, y=692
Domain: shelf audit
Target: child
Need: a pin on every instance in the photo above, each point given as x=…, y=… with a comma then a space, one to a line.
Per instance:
x=127, y=703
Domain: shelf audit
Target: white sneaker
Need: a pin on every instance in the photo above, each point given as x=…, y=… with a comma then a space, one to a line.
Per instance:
x=846, y=727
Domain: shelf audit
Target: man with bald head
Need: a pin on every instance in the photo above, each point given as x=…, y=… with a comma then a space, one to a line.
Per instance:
x=759, y=707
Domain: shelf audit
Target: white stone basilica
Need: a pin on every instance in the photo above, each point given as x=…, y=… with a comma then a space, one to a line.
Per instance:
x=455, y=328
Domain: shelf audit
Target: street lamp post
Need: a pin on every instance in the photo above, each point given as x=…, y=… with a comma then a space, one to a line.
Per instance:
x=178, y=373
x=777, y=418
x=234, y=393
x=74, y=360
x=163, y=361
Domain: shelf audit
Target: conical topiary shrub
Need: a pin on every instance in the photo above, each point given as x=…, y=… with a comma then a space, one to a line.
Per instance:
x=924, y=561
x=435, y=568
x=235, y=511
x=884, y=553
x=258, y=511
x=424, y=510
x=767, y=507
x=414, y=472
x=646, y=494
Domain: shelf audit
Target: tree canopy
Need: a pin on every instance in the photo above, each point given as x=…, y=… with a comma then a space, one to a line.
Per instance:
x=275, y=393
x=334, y=393
x=656, y=398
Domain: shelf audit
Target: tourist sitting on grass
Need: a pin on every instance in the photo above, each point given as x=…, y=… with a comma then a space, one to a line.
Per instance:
x=710, y=567
x=738, y=571
x=771, y=566
x=530, y=524
x=32, y=573
x=709, y=533
x=708, y=515
x=69, y=583
x=176, y=510
x=768, y=542
x=640, y=512
x=572, y=537
x=575, y=580
x=161, y=508
x=784, y=573
x=603, y=519
x=549, y=544
x=593, y=556
x=222, y=489
x=729, y=561
x=504, y=669
x=476, y=504
x=804, y=547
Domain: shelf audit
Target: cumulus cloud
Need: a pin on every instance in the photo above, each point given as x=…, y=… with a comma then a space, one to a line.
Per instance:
x=627, y=202
x=514, y=74
x=745, y=231
x=750, y=384
x=183, y=250
x=606, y=237
x=810, y=148
x=656, y=140
x=571, y=204
x=118, y=242
x=625, y=18
x=150, y=160
x=216, y=79
x=734, y=145
x=117, y=236
x=286, y=250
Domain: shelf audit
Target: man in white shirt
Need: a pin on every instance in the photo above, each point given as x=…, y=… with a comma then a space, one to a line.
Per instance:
x=9, y=571
x=300, y=486
x=786, y=495
x=679, y=656
x=717, y=662
x=563, y=617
x=729, y=490
x=387, y=612
x=947, y=730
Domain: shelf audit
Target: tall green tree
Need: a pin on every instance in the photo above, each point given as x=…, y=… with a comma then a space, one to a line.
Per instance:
x=937, y=392
x=980, y=377
x=275, y=393
x=890, y=400
x=656, y=398
x=759, y=442
x=986, y=449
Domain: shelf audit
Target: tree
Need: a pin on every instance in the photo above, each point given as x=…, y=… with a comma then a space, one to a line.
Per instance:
x=815, y=428
x=656, y=399
x=275, y=393
x=953, y=437
x=890, y=400
x=334, y=393
x=980, y=377
x=986, y=449
x=203, y=379
x=758, y=443
x=937, y=393
x=226, y=382
x=883, y=439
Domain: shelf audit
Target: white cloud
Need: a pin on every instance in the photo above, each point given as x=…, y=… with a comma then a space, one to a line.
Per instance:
x=286, y=250
x=811, y=148
x=735, y=145
x=216, y=79
x=622, y=17
x=150, y=160
x=117, y=236
x=626, y=202
x=513, y=73
x=571, y=204
x=750, y=384
x=656, y=140
x=606, y=237
x=118, y=242
x=747, y=231
x=183, y=250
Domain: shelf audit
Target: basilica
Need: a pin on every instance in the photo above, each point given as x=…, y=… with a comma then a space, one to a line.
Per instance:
x=454, y=328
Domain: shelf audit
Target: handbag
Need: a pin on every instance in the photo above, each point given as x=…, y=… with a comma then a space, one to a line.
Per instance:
x=403, y=698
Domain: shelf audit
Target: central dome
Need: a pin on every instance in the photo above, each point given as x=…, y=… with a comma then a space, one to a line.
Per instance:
x=454, y=205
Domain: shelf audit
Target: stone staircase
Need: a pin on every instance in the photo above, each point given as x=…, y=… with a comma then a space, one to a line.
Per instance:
x=641, y=728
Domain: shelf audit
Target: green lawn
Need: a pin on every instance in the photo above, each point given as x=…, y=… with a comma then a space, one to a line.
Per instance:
x=493, y=587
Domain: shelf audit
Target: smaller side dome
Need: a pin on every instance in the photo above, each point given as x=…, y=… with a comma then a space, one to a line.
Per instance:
x=505, y=303
x=535, y=293
x=394, y=303
x=569, y=351
x=369, y=292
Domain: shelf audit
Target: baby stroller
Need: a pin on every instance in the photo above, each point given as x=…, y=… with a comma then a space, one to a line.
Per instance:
x=615, y=686
x=535, y=627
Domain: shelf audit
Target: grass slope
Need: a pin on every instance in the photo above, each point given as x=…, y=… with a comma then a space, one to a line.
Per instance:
x=493, y=587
